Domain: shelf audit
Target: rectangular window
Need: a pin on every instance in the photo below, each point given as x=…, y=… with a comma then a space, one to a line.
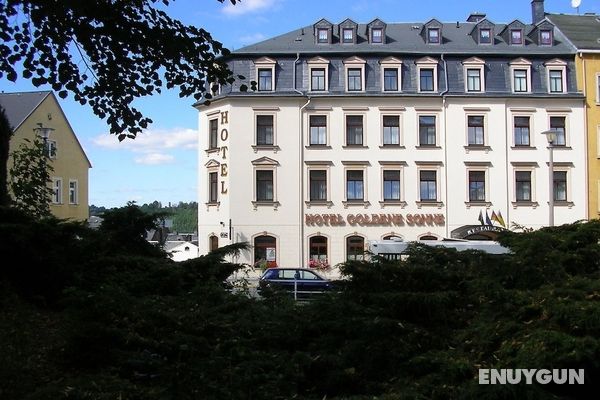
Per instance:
x=556, y=81
x=264, y=185
x=318, y=130
x=354, y=79
x=376, y=35
x=213, y=189
x=475, y=130
x=265, y=79
x=433, y=35
x=427, y=130
x=348, y=35
x=558, y=124
x=323, y=35
x=73, y=192
x=390, y=79
x=560, y=186
x=474, y=80
x=391, y=185
x=57, y=191
x=354, y=130
x=546, y=37
x=523, y=185
x=318, y=185
x=354, y=185
x=52, y=149
x=522, y=131
x=391, y=130
x=426, y=80
x=520, y=80
x=428, y=185
x=516, y=36
x=485, y=36
x=213, y=133
x=264, y=130
x=598, y=90
x=476, y=186
x=317, y=79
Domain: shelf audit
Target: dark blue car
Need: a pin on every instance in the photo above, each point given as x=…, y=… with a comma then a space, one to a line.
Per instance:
x=301, y=282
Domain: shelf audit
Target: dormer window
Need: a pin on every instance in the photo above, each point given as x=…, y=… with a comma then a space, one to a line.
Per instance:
x=427, y=71
x=433, y=35
x=516, y=36
x=319, y=74
x=377, y=35
x=265, y=73
x=355, y=74
x=485, y=36
x=348, y=35
x=546, y=37
x=521, y=75
x=323, y=35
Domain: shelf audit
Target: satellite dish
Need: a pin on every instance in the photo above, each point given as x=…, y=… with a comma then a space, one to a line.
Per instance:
x=575, y=3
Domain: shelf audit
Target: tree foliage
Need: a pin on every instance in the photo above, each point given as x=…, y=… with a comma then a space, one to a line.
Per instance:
x=107, y=53
x=137, y=326
x=29, y=178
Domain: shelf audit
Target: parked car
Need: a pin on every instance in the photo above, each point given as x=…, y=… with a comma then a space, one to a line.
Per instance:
x=302, y=282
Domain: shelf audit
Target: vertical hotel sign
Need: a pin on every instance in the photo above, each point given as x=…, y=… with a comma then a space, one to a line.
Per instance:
x=224, y=138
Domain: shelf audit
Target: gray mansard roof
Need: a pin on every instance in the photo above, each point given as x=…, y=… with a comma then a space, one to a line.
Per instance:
x=407, y=38
x=583, y=31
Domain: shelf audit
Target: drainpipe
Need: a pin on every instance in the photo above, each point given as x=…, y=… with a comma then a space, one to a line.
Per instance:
x=444, y=117
x=301, y=165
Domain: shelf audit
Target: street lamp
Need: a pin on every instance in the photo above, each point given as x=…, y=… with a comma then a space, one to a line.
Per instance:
x=551, y=137
x=44, y=133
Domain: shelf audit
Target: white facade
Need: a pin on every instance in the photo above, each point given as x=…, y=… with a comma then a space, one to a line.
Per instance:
x=293, y=219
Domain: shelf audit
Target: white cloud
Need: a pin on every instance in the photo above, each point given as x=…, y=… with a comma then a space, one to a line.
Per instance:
x=154, y=159
x=247, y=6
x=151, y=140
x=255, y=37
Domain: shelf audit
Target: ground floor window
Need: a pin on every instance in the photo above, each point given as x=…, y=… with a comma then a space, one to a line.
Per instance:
x=355, y=248
x=265, y=251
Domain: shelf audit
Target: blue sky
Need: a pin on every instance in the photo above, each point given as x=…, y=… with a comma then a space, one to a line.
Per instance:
x=161, y=163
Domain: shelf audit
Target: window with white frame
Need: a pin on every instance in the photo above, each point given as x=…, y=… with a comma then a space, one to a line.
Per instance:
x=391, y=130
x=354, y=130
x=213, y=187
x=558, y=124
x=265, y=74
x=265, y=130
x=73, y=192
x=391, y=184
x=557, y=71
x=57, y=190
x=428, y=187
x=427, y=71
x=427, y=130
x=523, y=186
x=473, y=70
x=317, y=184
x=475, y=130
x=52, y=149
x=213, y=134
x=560, y=185
x=265, y=188
x=355, y=74
x=391, y=68
x=476, y=186
x=473, y=80
x=319, y=74
x=521, y=75
x=317, y=130
x=317, y=248
x=355, y=185
x=522, y=130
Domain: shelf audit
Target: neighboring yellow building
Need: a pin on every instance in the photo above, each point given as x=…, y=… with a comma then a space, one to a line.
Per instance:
x=26, y=112
x=583, y=32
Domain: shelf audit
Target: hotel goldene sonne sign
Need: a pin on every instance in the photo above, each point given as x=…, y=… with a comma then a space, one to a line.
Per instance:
x=375, y=219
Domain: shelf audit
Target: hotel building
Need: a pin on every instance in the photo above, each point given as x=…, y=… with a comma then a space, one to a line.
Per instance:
x=421, y=131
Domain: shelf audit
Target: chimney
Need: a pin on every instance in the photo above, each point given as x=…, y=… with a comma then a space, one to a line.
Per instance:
x=537, y=11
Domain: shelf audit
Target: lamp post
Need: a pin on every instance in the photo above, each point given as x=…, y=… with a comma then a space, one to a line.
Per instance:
x=551, y=137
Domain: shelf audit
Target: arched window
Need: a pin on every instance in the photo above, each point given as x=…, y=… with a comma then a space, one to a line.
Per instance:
x=213, y=243
x=318, y=248
x=265, y=247
x=428, y=237
x=355, y=248
x=392, y=237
